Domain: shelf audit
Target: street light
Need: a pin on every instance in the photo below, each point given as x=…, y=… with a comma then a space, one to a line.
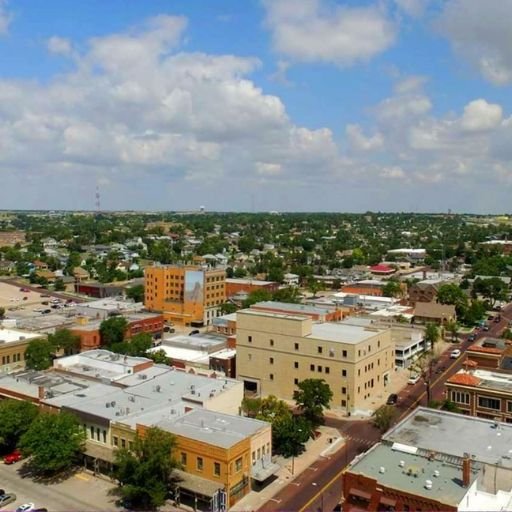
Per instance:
x=293, y=456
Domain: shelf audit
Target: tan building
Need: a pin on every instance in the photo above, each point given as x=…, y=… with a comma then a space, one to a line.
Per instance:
x=276, y=351
x=187, y=295
x=13, y=344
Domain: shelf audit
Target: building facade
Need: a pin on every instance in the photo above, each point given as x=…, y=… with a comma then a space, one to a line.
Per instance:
x=277, y=351
x=186, y=295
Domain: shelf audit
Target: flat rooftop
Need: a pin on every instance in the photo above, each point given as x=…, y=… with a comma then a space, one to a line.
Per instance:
x=112, y=304
x=254, y=282
x=15, y=335
x=203, y=341
x=455, y=434
x=213, y=428
x=292, y=308
x=409, y=472
x=342, y=333
x=269, y=314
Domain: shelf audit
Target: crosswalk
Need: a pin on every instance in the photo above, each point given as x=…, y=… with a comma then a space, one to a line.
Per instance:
x=359, y=440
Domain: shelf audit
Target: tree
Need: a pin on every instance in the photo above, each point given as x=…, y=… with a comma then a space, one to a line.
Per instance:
x=159, y=357
x=239, y=272
x=288, y=294
x=144, y=472
x=452, y=294
x=289, y=435
x=137, y=346
x=54, y=442
x=15, y=419
x=257, y=296
x=453, y=328
x=2, y=312
x=431, y=335
x=314, y=286
x=65, y=340
x=493, y=289
x=227, y=308
x=392, y=289
x=59, y=285
x=39, y=354
x=383, y=417
x=112, y=330
x=136, y=293
x=313, y=396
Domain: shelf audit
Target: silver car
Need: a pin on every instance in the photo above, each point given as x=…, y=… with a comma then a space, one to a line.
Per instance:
x=5, y=499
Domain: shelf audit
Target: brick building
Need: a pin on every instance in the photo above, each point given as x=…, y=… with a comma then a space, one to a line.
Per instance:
x=234, y=286
x=365, y=287
x=186, y=295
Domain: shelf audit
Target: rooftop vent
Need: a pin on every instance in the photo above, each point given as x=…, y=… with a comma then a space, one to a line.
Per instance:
x=107, y=405
x=113, y=403
x=131, y=398
x=428, y=484
x=382, y=469
x=401, y=463
x=436, y=473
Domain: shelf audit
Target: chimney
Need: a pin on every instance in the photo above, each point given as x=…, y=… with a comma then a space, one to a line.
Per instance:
x=466, y=470
x=40, y=392
x=424, y=275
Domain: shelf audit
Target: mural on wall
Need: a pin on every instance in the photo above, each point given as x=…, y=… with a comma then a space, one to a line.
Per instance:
x=194, y=286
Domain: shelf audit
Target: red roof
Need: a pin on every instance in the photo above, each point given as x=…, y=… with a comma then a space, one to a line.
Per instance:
x=381, y=268
x=488, y=350
x=465, y=379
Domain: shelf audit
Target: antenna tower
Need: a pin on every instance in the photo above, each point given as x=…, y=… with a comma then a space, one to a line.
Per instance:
x=97, y=197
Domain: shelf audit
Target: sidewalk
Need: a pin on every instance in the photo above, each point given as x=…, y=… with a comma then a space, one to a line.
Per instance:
x=315, y=449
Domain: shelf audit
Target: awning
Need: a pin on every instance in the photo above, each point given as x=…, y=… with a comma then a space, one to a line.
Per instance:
x=360, y=494
x=261, y=470
x=390, y=502
x=196, y=484
x=97, y=451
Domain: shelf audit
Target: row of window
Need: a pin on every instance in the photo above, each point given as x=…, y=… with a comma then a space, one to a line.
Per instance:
x=216, y=465
x=486, y=402
x=15, y=358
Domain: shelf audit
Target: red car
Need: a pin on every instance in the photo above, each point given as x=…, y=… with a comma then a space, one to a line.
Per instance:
x=13, y=457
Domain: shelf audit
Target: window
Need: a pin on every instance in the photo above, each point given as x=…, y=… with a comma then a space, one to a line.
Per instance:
x=238, y=464
x=271, y=360
x=115, y=441
x=343, y=403
x=249, y=339
x=343, y=391
x=296, y=346
x=199, y=463
x=183, y=459
x=460, y=398
x=331, y=352
x=249, y=356
x=271, y=343
x=271, y=376
x=327, y=369
x=344, y=353
x=97, y=434
x=295, y=381
x=123, y=443
x=312, y=367
x=296, y=364
x=320, y=350
x=359, y=373
x=489, y=403
x=343, y=373
x=509, y=406
x=216, y=468
x=104, y=436
x=92, y=432
x=319, y=369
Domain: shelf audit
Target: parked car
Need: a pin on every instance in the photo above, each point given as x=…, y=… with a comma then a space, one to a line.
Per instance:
x=46, y=311
x=39, y=510
x=26, y=507
x=45, y=303
x=497, y=319
x=392, y=399
x=455, y=354
x=44, y=295
x=25, y=290
x=13, y=457
x=413, y=378
x=195, y=331
x=471, y=337
x=485, y=327
x=5, y=499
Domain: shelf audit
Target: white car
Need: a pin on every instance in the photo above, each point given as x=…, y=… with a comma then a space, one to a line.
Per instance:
x=413, y=378
x=27, y=507
x=455, y=354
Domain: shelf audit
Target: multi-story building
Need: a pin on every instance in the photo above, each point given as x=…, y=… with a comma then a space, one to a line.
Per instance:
x=482, y=393
x=425, y=291
x=13, y=344
x=277, y=351
x=188, y=295
x=234, y=286
x=365, y=287
x=437, y=461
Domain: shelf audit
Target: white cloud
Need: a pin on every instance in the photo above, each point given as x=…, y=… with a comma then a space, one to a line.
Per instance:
x=414, y=8
x=359, y=142
x=136, y=106
x=480, y=32
x=5, y=18
x=59, y=46
x=315, y=31
x=480, y=115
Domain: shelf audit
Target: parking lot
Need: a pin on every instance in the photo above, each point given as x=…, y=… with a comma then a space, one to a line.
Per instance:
x=79, y=492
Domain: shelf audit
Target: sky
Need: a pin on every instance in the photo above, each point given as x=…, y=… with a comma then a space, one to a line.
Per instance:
x=256, y=105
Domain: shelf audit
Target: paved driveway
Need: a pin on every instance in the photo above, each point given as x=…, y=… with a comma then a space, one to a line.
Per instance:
x=81, y=492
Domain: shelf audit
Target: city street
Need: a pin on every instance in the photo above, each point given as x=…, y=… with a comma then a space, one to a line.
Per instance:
x=318, y=489
x=79, y=492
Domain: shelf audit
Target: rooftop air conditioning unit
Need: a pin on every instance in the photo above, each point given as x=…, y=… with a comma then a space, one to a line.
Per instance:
x=113, y=403
x=131, y=398
x=107, y=405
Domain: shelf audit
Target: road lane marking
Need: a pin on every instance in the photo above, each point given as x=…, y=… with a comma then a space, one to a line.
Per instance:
x=328, y=484
x=82, y=477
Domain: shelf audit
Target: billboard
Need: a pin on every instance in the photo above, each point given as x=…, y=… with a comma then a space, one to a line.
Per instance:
x=194, y=281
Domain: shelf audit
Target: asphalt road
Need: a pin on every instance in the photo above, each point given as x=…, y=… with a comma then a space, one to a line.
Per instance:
x=78, y=493
x=318, y=488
